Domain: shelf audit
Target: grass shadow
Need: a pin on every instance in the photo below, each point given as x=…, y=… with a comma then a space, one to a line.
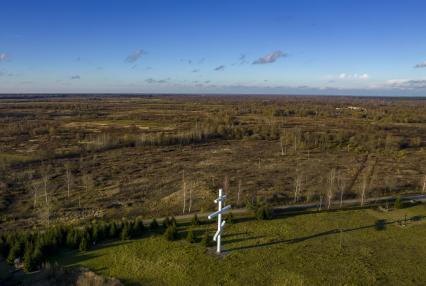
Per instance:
x=229, y=241
x=378, y=225
x=417, y=218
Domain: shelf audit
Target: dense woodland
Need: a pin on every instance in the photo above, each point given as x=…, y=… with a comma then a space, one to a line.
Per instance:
x=70, y=159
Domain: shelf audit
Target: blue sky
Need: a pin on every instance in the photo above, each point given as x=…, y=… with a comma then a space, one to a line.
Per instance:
x=298, y=47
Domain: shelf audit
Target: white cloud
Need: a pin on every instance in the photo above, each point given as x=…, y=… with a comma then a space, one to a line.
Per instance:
x=363, y=76
x=407, y=83
x=135, y=56
x=157, y=81
x=421, y=65
x=352, y=76
x=220, y=68
x=3, y=57
x=270, y=58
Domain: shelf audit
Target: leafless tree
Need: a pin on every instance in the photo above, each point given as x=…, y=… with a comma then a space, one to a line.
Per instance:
x=297, y=185
x=390, y=185
x=295, y=142
x=184, y=191
x=364, y=186
x=34, y=185
x=309, y=192
x=341, y=185
x=282, y=145
x=68, y=177
x=87, y=181
x=226, y=185
x=285, y=137
x=331, y=183
x=45, y=176
x=44, y=215
x=239, y=192
x=190, y=197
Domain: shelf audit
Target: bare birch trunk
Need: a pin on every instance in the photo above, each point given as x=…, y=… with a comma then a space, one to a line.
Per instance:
x=68, y=177
x=341, y=185
x=184, y=191
x=331, y=187
x=239, y=192
x=295, y=143
x=364, y=189
x=190, y=198
x=45, y=180
x=297, y=187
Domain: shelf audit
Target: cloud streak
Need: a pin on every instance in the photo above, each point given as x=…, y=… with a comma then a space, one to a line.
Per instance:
x=75, y=77
x=353, y=76
x=219, y=68
x=270, y=58
x=157, y=81
x=421, y=65
x=243, y=59
x=135, y=56
x=408, y=84
x=188, y=61
x=3, y=57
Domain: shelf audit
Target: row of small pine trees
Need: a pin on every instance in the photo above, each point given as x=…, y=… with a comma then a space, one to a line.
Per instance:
x=171, y=232
x=35, y=246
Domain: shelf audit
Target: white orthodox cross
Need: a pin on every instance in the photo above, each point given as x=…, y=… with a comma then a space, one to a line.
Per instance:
x=220, y=223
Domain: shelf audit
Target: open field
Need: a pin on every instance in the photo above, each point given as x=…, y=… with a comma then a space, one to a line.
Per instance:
x=95, y=167
x=356, y=247
x=75, y=158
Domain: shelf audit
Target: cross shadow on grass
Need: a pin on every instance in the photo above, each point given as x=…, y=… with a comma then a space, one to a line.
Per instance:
x=75, y=257
x=229, y=241
x=130, y=282
x=379, y=225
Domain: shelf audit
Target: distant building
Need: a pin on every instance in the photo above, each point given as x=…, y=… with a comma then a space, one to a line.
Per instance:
x=352, y=108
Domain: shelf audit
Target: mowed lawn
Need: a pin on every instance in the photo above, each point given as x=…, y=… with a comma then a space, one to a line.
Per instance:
x=357, y=247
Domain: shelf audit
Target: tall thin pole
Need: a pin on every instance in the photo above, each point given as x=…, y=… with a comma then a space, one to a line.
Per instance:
x=219, y=221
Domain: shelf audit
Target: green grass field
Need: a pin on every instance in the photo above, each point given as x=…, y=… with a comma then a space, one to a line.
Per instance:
x=357, y=247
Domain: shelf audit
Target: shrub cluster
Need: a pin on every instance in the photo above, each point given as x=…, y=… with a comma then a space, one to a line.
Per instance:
x=263, y=212
x=398, y=203
x=169, y=224
x=195, y=220
x=206, y=240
